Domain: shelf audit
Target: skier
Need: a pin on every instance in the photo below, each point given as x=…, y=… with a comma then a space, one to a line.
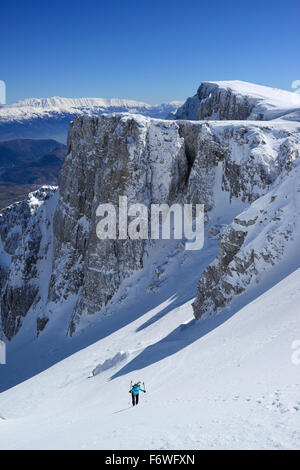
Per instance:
x=135, y=393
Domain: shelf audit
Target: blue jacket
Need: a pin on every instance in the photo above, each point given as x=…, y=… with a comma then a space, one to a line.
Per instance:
x=135, y=390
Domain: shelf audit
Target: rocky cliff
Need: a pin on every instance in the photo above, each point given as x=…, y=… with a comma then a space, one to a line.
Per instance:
x=109, y=156
x=51, y=256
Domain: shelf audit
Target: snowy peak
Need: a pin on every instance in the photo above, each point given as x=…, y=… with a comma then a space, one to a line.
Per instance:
x=238, y=100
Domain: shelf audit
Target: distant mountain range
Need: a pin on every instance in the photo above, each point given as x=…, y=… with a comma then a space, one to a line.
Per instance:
x=49, y=118
x=26, y=164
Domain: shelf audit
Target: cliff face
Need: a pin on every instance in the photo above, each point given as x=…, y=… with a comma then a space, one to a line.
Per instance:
x=258, y=240
x=236, y=100
x=110, y=156
x=54, y=257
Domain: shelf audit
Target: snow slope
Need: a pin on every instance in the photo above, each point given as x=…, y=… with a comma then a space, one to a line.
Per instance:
x=226, y=382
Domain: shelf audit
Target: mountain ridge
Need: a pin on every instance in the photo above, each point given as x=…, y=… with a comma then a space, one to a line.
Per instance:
x=226, y=166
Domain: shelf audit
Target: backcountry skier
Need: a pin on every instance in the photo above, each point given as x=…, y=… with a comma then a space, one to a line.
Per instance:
x=135, y=393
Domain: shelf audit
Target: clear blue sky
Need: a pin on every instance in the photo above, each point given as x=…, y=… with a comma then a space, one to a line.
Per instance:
x=145, y=50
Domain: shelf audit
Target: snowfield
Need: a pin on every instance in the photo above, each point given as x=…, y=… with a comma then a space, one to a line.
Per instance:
x=272, y=102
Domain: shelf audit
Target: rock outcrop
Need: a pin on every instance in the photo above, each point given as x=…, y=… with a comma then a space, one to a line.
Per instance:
x=109, y=156
x=49, y=118
x=51, y=255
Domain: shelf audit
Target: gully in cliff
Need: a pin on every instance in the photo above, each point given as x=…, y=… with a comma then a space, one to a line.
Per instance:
x=178, y=222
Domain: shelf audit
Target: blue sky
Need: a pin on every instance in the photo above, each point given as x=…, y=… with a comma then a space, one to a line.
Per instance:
x=151, y=51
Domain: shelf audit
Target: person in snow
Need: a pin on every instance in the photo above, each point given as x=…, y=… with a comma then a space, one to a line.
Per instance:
x=135, y=393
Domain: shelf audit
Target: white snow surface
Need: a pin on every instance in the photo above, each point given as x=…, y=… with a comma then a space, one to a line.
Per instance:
x=226, y=382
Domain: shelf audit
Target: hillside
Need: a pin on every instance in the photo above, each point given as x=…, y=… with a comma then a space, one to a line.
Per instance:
x=227, y=100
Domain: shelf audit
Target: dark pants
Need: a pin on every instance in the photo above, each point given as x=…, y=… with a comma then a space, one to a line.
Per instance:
x=135, y=399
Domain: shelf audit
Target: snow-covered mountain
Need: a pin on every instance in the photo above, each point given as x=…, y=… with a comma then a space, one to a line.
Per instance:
x=228, y=167
x=227, y=382
x=240, y=100
x=49, y=118
x=213, y=332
